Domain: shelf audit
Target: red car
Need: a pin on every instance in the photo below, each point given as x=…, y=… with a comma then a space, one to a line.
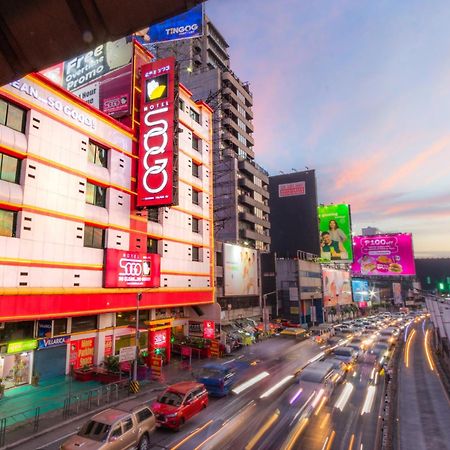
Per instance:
x=179, y=403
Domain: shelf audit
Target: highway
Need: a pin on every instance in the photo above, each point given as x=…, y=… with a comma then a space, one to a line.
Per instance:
x=423, y=405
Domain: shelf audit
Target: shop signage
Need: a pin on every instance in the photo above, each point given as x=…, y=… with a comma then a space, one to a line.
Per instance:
x=156, y=365
x=156, y=141
x=208, y=329
x=53, y=342
x=108, y=345
x=22, y=346
x=131, y=269
x=82, y=352
x=127, y=354
x=215, y=348
x=159, y=339
x=90, y=94
x=44, y=328
x=291, y=189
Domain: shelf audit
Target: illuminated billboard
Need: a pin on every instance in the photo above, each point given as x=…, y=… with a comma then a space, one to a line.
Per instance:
x=336, y=287
x=240, y=270
x=131, y=269
x=156, y=140
x=360, y=289
x=384, y=254
x=335, y=233
x=182, y=26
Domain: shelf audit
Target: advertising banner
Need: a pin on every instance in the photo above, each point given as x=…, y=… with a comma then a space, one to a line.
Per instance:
x=209, y=329
x=53, y=342
x=397, y=293
x=160, y=339
x=291, y=189
x=360, y=289
x=183, y=26
x=90, y=94
x=82, y=352
x=336, y=287
x=240, y=270
x=156, y=141
x=335, y=233
x=131, y=269
x=108, y=345
x=384, y=254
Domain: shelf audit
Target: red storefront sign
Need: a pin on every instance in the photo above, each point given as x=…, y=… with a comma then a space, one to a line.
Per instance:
x=156, y=149
x=82, y=352
x=215, y=348
x=156, y=365
x=108, y=345
x=131, y=269
x=160, y=339
x=208, y=329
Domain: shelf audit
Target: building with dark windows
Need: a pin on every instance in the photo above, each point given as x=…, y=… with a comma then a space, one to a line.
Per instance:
x=75, y=250
x=434, y=274
x=241, y=194
x=293, y=214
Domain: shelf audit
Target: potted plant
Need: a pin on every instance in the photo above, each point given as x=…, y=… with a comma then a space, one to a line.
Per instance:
x=35, y=379
x=111, y=372
x=85, y=373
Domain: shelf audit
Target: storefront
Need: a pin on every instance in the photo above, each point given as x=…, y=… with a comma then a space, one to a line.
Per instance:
x=16, y=365
x=50, y=357
x=159, y=338
x=82, y=352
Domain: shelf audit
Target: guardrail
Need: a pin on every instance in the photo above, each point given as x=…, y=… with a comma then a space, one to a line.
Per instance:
x=29, y=421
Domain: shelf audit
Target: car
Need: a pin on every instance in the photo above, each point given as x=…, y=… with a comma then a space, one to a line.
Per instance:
x=340, y=369
x=178, y=403
x=380, y=350
x=345, y=354
x=127, y=426
x=294, y=332
x=217, y=378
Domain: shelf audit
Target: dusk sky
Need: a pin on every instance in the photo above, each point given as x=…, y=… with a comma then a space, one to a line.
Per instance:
x=360, y=91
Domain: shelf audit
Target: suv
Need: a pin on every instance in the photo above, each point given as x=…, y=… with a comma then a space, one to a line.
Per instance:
x=125, y=427
x=179, y=403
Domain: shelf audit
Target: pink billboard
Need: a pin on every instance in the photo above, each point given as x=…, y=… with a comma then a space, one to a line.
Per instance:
x=383, y=254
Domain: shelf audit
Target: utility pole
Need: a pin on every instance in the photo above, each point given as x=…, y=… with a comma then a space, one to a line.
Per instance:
x=138, y=299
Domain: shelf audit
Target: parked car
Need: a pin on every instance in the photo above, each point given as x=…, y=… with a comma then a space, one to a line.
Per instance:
x=217, y=378
x=127, y=426
x=178, y=403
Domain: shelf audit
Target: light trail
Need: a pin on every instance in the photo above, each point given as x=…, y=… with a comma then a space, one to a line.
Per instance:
x=320, y=406
x=324, y=420
x=327, y=445
x=296, y=396
x=345, y=395
x=263, y=429
x=367, y=406
x=408, y=344
x=276, y=386
x=295, y=434
x=427, y=351
x=352, y=440
x=316, y=401
x=251, y=382
x=207, y=424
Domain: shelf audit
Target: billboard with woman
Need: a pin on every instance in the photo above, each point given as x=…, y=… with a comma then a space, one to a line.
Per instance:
x=335, y=233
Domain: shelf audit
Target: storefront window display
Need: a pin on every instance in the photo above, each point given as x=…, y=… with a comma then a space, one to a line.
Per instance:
x=17, y=362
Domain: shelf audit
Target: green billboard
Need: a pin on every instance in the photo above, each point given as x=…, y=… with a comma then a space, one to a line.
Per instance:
x=335, y=230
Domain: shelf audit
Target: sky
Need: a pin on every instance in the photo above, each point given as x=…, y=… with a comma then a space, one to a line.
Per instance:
x=358, y=90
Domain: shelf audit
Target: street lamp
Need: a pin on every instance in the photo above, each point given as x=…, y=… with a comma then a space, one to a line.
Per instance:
x=138, y=299
x=264, y=312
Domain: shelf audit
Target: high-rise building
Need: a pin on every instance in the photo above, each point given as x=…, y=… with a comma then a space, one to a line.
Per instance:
x=77, y=255
x=293, y=214
x=241, y=195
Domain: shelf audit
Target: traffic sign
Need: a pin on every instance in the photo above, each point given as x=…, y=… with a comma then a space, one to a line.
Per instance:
x=127, y=354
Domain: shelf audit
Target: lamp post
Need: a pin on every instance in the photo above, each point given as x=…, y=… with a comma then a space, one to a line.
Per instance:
x=264, y=311
x=138, y=299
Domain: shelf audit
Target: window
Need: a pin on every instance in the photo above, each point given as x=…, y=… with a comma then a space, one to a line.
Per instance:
x=241, y=125
x=195, y=170
x=196, y=143
x=9, y=168
x=143, y=414
x=95, y=195
x=195, y=225
x=84, y=323
x=12, y=116
x=182, y=105
x=194, y=115
x=8, y=222
x=116, y=432
x=153, y=214
x=59, y=326
x=152, y=245
x=127, y=424
x=195, y=197
x=94, y=237
x=242, y=139
x=97, y=154
x=219, y=259
x=195, y=253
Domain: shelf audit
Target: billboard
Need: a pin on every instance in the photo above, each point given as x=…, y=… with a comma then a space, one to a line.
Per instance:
x=131, y=269
x=185, y=25
x=156, y=140
x=397, y=293
x=360, y=289
x=336, y=287
x=240, y=270
x=384, y=254
x=291, y=189
x=335, y=233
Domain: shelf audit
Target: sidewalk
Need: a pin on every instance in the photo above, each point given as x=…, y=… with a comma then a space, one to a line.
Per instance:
x=18, y=409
